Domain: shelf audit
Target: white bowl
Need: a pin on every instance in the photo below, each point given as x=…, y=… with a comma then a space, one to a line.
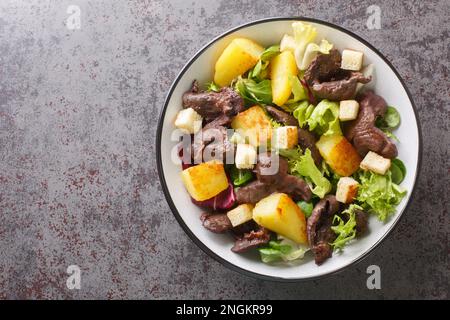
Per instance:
x=386, y=83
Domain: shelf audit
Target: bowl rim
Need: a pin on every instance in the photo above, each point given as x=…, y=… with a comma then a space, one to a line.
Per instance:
x=168, y=197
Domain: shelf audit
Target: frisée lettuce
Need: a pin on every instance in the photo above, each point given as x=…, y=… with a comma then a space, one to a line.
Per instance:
x=378, y=194
x=325, y=118
x=345, y=231
x=304, y=166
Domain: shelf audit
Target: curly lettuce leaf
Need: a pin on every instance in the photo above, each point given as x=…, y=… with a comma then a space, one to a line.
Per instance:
x=304, y=166
x=379, y=194
x=302, y=113
x=345, y=231
x=211, y=86
x=274, y=123
x=292, y=154
x=324, y=120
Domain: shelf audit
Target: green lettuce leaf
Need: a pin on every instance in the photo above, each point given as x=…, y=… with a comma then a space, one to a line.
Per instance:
x=282, y=250
x=239, y=177
x=260, y=70
x=389, y=134
x=390, y=120
x=211, y=86
x=305, y=167
x=254, y=92
x=269, y=53
x=302, y=113
x=379, y=194
x=398, y=171
x=307, y=208
x=324, y=120
x=274, y=123
x=298, y=91
x=292, y=154
x=345, y=231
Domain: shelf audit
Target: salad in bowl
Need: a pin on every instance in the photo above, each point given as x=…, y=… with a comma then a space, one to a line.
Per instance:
x=287, y=150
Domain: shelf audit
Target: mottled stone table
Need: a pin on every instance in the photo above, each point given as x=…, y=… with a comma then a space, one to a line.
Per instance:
x=78, y=179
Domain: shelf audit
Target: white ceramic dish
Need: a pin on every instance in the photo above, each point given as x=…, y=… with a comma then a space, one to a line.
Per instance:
x=386, y=82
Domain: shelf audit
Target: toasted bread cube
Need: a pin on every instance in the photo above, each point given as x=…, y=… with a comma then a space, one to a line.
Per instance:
x=245, y=156
x=205, y=180
x=375, y=163
x=279, y=213
x=285, y=137
x=241, y=214
x=254, y=125
x=347, y=189
x=351, y=60
x=348, y=110
x=189, y=120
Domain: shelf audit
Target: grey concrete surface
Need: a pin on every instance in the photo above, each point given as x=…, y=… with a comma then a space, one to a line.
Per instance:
x=78, y=178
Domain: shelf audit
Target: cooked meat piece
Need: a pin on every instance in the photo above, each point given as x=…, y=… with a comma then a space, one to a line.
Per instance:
x=323, y=67
x=306, y=139
x=324, y=209
x=216, y=222
x=251, y=240
x=328, y=81
x=268, y=170
x=212, y=143
x=282, y=117
x=239, y=231
x=311, y=97
x=211, y=105
x=319, y=228
x=362, y=221
x=342, y=89
x=268, y=182
x=362, y=131
x=295, y=187
x=219, y=122
x=254, y=191
x=322, y=251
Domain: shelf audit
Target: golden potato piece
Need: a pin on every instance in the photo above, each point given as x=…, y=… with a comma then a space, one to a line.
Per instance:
x=238, y=57
x=205, y=180
x=339, y=154
x=254, y=125
x=282, y=67
x=279, y=213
